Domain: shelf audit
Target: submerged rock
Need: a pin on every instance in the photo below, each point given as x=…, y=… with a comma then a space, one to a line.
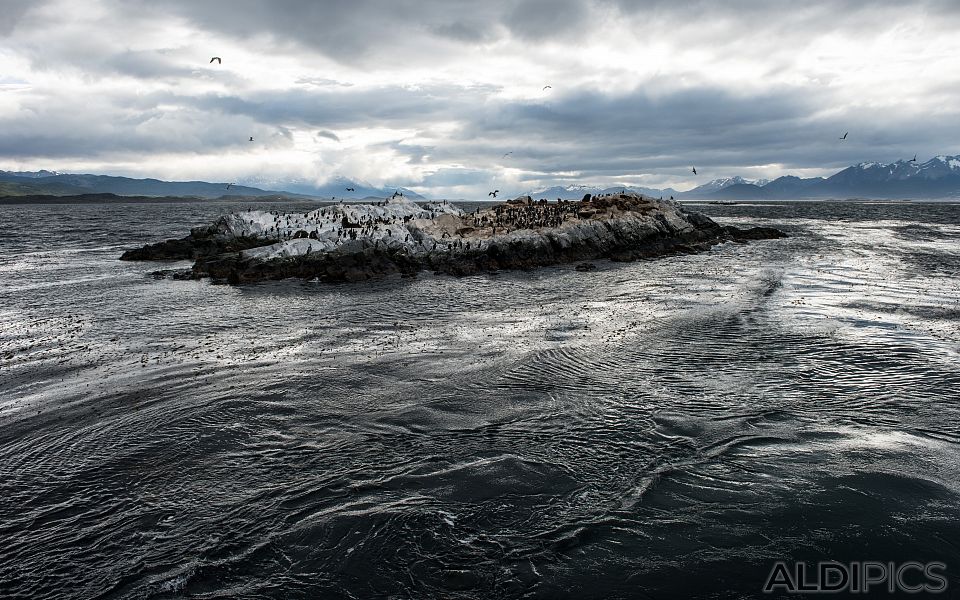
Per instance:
x=362, y=241
x=178, y=274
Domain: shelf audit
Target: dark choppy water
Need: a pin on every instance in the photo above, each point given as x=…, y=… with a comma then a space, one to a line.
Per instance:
x=658, y=429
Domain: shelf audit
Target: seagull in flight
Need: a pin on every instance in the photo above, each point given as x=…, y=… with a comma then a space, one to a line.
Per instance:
x=228, y=185
x=351, y=190
x=251, y=138
x=507, y=154
x=694, y=170
x=547, y=87
x=216, y=58
x=494, y=193
x=844, y=136
x=914, y=159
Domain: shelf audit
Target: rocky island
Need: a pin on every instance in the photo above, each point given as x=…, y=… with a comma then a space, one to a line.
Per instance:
x=355, y=242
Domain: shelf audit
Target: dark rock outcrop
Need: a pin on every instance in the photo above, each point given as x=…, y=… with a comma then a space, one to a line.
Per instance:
x=344, y=243
x=202, y=241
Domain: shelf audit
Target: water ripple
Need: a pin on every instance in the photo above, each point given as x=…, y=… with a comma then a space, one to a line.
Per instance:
x=659, y=428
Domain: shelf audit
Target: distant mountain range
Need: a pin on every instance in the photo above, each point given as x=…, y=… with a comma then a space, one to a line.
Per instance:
x=66, y=184
x=938, y=177
x=576, y=192
x=36, y=183
x=572, y=192
x=336, y=186
x=720, y=184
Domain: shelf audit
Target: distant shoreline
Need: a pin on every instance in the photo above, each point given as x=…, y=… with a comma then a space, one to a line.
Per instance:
x=115, y=199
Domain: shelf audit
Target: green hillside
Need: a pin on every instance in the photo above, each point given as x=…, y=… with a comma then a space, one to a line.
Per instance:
x=8, y=188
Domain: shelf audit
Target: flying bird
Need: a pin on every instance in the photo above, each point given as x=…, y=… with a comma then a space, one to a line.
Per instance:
x=547, y=87
x=914, y=159
x=251, y=138
x=694, y=170
x=844, y=136
x=350, y=190
x=228, y=185
x=507, y=154
x=494, y=193
x=216, y=58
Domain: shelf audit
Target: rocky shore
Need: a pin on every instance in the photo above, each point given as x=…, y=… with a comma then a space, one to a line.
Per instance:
x=361, y=241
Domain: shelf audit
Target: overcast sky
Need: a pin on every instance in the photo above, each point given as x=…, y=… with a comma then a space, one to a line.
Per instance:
x=431, y=94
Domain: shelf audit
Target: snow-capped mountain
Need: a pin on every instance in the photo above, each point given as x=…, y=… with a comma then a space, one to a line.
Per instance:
x=31, y=174
x=568, y=192
x=719, y=184
x=938, y=177
x=339, y=187
x=937, y=167
x=576, y=192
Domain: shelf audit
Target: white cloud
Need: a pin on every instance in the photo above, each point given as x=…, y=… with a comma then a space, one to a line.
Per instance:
x=431, y=93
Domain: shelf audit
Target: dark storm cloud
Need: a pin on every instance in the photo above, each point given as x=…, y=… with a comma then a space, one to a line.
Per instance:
x=700, y=112
x=393, y=105
x=600, y=135
x=12, y=12
x=584, y=131
x=472, y=33
x=744, y=13
x=537, y=19
x=352, y=30
x=587, y=131
x=111, y=125
x=347, y=30
x=146, y=65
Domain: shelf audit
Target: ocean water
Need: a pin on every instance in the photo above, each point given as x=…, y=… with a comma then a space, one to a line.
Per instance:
x=658, y=429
